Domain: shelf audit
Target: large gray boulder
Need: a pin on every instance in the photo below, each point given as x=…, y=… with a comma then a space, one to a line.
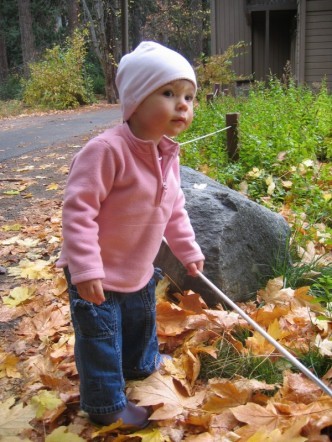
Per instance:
x=242, y=241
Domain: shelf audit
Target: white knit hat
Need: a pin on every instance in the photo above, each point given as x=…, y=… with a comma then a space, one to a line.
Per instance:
x=145, y=70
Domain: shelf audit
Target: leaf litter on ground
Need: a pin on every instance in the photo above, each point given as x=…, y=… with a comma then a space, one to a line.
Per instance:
x=38, y=377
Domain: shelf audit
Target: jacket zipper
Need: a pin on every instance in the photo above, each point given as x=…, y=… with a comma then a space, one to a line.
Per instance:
x=163, y=174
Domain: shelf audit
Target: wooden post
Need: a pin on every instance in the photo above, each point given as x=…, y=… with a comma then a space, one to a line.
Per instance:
x=225, y=89
x=232, y=136
x=124, y=26
x=209, y=98
x=217, y=89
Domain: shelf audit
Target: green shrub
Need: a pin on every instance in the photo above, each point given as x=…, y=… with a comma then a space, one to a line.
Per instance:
x=321, y=289
x=11, y=108
x=284, y=147
x=218, y=68
x=96, y=75
x=11, y=89
x=59, y=80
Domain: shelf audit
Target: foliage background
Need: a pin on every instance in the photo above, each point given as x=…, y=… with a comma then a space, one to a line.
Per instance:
x=182, y=24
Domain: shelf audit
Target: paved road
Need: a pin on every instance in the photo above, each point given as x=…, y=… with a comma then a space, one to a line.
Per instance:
x=25, y=134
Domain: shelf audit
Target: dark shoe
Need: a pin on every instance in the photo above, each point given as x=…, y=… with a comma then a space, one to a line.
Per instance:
x=130, y=415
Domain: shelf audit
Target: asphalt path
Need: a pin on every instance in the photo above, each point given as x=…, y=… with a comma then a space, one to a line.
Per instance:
x=21, y=135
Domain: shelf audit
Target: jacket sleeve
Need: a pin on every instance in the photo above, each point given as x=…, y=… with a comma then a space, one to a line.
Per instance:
x=89, y=182
x=179, y=232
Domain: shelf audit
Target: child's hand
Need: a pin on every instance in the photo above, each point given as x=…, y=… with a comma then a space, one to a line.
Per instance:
x=91, y=291
x=194, y=267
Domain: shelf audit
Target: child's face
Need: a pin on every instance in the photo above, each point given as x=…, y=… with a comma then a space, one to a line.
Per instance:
x=167, y=111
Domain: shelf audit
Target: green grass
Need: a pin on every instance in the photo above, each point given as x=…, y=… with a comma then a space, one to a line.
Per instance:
x=11, y=108
x=231, y=363
x=285, y=139
x=284, y=164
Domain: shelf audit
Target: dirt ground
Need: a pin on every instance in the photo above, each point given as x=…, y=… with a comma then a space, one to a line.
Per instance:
x=25, y=180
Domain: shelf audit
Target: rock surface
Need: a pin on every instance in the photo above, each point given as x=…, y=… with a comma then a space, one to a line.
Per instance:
x=241, y=240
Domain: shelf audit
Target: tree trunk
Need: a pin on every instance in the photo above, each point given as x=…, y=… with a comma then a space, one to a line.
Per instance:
x=110, y=87
x=4, y=71
x=73, y=10
x=101, y=20
x=27, y=36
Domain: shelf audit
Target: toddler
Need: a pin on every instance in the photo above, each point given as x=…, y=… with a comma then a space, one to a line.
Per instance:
x=123, y=195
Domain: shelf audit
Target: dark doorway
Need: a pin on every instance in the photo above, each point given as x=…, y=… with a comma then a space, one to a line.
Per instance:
x=272, y=34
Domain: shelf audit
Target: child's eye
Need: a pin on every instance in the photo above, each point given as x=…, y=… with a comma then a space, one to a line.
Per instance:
x=189, y=97
x=168, y=93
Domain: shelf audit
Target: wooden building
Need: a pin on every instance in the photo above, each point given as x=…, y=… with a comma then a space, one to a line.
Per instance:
x=276, y=32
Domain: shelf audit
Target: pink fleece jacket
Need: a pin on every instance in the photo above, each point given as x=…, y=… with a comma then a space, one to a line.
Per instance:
x=119, y=202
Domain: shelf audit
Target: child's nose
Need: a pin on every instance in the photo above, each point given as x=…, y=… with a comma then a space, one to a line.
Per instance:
x=182, y=103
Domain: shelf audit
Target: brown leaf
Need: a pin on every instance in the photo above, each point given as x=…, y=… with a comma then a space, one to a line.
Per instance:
x=299, y=388
x=161, y=391
x=192, y=302
x=45, y=323
x=170, y=319
x=225, y=394
x=259, y=417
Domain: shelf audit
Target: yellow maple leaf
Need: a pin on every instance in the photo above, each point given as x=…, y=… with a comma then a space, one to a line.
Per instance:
x=14, y=418
x=12, y=227
x=264, y=317
x=39, y=269
x=18, y=296
x=8, y=366
x=261, y=346
x=145, y=435
x=52, y=186
x=11, y=192
x=26, y=242
x=62, y=434
x=291, y=434
x=61, y=285
x=45, y=401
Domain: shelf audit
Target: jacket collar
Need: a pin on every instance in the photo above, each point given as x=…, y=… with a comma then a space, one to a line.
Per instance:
x=147, y=147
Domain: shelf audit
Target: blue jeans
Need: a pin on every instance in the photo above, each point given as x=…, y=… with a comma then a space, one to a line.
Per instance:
x=114, y=341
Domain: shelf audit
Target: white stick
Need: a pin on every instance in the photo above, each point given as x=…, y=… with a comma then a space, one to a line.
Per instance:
x=269, y=338
x=204, y=136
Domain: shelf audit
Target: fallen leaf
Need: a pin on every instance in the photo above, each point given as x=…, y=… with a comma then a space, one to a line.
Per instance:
x=290, y=435
x=18, y=296
x=44, y=401
x=12, y=227
x=158, y=390
x=8, y=366
x=259, y=417
x=14, y=418
x=62, y=434
x=38, y=269
x=53, y=186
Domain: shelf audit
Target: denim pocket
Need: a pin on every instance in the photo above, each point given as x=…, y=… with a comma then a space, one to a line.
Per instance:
x=93, y=321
